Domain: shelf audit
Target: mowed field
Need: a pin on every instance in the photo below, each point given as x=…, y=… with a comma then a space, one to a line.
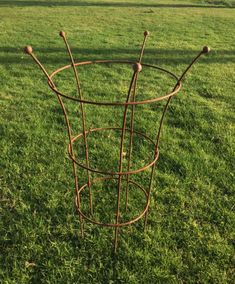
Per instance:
x=190, y=236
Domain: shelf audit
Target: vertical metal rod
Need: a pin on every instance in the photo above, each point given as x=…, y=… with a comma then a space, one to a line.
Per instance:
x=130, y=142
x=205, y=50
x=29, y=50
x=78, y=201
x=148, y=197
x=146, y=34
x=120, y=163
x=62, y=34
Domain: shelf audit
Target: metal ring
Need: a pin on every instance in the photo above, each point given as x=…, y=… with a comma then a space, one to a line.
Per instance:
x=174, y=92
x=113, y=224
x=113, y=173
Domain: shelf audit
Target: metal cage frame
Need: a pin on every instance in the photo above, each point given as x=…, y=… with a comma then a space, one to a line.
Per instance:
x=130, y=102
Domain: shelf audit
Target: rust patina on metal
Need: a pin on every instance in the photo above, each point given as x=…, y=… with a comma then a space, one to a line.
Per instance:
x=130, y=102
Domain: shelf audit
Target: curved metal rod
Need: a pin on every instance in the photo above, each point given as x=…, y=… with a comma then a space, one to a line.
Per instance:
x=29, y=50
x=146, y=34
x=137, y=68
x=131, y=141
x=120, y=162
x=205, y=50
x=63, y=35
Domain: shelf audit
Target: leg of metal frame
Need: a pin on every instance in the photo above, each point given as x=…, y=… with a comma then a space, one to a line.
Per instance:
x=149, y=192
x=130, y=147
x=62, y=34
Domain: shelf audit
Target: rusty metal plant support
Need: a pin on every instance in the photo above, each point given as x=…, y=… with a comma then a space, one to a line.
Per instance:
x=120, y=175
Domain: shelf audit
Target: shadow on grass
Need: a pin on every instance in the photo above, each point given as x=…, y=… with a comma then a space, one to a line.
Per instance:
x=78, y=3
x=11, y=55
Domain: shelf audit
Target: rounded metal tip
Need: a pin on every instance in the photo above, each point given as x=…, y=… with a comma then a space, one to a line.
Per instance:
x=137, y=67
x=62, y=33
x=146, y=33
x=206, y=49
x=28, y=49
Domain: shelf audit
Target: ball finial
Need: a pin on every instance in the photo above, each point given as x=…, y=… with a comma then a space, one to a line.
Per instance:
x=28, y=49
x=62, y=33
x=206, y=49
x=146, y=33
x=137, y=67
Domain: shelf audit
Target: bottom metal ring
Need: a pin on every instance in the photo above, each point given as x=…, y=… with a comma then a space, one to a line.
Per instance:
x=112, y=224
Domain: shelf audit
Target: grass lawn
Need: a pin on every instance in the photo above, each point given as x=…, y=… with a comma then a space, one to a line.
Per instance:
x=191, y=225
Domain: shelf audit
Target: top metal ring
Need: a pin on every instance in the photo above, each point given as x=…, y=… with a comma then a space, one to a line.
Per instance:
x=174, y=92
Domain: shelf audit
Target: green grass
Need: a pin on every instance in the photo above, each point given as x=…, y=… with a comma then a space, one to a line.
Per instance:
x=191, y=229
